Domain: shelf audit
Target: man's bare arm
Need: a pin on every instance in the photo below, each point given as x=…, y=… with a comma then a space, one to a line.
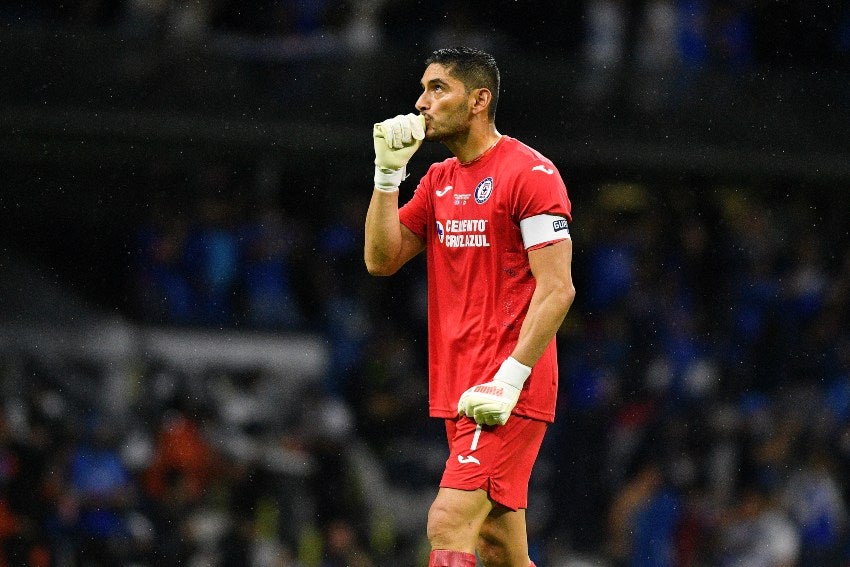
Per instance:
x=388, y=243
x=552, y=298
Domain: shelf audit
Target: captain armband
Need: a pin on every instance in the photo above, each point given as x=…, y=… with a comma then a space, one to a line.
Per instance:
x=543, y=228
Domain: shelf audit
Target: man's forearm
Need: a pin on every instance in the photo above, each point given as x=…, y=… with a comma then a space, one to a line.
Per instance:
x=383, y=233
x=545, y=314
x=550, y=302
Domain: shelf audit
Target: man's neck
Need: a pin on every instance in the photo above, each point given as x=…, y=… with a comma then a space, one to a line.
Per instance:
x=474, y=144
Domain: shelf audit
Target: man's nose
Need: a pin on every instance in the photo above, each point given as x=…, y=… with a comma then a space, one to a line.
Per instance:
x=421, y=103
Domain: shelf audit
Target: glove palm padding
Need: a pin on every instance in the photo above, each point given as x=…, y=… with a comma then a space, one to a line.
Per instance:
x=397, y=139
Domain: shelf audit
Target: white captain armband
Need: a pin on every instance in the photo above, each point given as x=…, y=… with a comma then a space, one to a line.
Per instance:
x=543, y=228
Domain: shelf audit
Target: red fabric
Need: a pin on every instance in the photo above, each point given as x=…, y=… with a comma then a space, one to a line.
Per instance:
x=479, y=278
x=446, y=558
x=497, y=459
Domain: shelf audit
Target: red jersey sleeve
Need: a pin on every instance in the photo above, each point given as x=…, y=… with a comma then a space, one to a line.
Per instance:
x=540, y=190
x=415, y=213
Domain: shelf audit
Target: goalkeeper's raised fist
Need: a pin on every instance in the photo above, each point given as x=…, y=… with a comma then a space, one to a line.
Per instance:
x=491, y=403
x=396, y=140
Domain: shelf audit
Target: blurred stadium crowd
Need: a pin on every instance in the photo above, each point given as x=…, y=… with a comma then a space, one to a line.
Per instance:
x=704, y=413
x=727, y=33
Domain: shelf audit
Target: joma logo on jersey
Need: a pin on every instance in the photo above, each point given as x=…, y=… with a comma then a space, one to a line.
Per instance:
x=468, y=460
x=560, y=224
x=483, y=190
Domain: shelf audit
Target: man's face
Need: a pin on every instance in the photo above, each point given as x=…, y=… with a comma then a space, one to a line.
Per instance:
x=445, y=103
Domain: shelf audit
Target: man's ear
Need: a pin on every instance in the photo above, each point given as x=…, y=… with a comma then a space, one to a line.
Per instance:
x=480, y=100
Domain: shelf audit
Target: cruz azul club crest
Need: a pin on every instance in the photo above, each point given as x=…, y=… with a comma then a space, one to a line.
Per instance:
x=483, y=190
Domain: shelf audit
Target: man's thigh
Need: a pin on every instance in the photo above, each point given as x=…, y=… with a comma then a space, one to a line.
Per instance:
x=456, y=517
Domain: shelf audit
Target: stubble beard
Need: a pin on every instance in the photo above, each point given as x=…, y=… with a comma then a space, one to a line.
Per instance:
x=451, y=130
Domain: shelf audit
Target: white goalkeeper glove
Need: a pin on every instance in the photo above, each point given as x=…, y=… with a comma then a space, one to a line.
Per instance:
x=396, y=140
x=491, y=403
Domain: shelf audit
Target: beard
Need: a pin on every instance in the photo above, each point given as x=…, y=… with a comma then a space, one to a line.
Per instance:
x=456, y=125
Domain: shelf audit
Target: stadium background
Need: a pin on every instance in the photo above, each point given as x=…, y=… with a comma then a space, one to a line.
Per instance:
x=196, y=369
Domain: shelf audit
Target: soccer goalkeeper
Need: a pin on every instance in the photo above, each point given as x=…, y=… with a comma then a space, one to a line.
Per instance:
x=494, y=219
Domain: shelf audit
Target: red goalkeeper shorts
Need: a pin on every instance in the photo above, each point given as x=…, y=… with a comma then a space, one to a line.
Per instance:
x=495, y=458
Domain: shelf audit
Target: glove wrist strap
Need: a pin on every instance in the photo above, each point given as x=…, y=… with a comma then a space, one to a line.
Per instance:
x=388, y=180
x=513, y=372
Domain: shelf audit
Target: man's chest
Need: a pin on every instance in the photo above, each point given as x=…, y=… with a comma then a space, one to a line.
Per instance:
x=470, y=211
x=460, y=194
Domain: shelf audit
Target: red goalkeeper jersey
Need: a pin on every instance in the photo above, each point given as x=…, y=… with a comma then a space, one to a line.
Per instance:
x=478, y=221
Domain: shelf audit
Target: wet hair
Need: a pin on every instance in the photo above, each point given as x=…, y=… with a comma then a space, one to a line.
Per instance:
x=472, y=67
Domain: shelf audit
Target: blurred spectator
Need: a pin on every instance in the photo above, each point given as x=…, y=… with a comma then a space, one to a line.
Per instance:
x=212, y=261
x=389, y=397
x=163, y=291
x=183, y=464
x=343, y=547
x=657, y=48
x=101, y=493
x=268, y=296
x=612, y=260
x=814, y=498
x=22, y=507
x=758, y=532
x=604, y=47
x=731, y=35
x=338, y=288
x=177, y=484
x=644, y=518
x=693, y=33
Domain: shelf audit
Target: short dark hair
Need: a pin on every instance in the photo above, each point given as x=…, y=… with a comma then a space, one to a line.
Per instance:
x=473, y=67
